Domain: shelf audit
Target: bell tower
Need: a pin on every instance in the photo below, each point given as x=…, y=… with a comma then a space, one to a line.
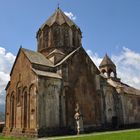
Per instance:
x=108, y=68
x=59, y=32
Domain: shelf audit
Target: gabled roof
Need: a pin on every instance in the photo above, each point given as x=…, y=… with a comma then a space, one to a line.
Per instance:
x=34, y=58
x=106, y=61
x=72, y=53
x=124, y=87
x=56, y=51
x=60, y=18
x=37, y=58
x=47, y=74
x=40, y=59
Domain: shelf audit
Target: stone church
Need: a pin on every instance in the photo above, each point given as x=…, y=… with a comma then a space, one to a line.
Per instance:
x=45, y=86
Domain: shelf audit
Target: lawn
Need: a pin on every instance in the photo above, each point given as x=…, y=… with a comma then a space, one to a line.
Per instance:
x=12, y=138
x=132, y=135
x=117, y=135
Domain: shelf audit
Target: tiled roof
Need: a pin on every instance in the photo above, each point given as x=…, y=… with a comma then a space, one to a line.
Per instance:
x=126, y=88
x=60, y=18
x=56, y=51
x=47, y=74
x=37, y=58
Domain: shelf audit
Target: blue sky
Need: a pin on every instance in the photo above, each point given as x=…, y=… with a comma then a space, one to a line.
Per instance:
x=108, y=26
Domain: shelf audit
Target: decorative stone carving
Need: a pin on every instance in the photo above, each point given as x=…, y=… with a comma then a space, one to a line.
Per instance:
x=79, y=120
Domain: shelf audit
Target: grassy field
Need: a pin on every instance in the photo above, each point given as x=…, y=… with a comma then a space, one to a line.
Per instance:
x=117, y=135
x=12, y=138
x=130, y=135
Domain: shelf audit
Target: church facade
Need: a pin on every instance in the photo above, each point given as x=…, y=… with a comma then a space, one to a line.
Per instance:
x=46, y=85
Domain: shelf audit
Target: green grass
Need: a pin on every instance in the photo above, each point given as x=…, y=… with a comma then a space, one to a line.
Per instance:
x=117, y=135
x=12, y=138
x=134, y=135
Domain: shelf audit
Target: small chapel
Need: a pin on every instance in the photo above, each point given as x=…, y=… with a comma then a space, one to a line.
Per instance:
x=46, y=85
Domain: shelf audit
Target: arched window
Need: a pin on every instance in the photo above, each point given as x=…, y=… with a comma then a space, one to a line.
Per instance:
x=104, y=72
x=19, y=91
x=111, y=73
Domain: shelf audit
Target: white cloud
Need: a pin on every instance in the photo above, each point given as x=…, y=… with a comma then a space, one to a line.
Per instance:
x=128, y=65
x=95, y=57
x=70, y=15
x=6, y=62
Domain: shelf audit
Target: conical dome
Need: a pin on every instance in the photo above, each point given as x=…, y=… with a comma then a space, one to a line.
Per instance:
x=60, y=18
x=58, y=32
x=106, y=62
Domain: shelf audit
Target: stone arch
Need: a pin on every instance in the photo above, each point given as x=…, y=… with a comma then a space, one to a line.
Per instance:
x=25, y=107
x=12, y=110
x=32, y=105
x=104, y=72
x=7, y=111
x=34, y=88
x=110, y=71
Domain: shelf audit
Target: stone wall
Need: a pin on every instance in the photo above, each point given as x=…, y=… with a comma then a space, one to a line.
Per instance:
x=131, y=108
x=48, y=104
x=112, y=106
x=80, y=86
x=19, y=96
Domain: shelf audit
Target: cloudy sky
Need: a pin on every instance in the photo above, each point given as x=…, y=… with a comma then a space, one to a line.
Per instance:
x=108, y=26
